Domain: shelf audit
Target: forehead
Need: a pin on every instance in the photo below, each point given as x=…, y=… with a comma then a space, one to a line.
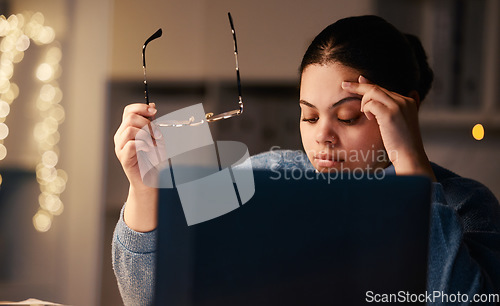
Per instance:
x=323, y=83
x=331, y=73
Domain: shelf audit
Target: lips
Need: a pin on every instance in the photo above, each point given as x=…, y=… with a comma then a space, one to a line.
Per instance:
x=326, y=160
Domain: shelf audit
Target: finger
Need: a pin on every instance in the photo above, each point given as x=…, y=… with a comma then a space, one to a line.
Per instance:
x=379, y=95
x=147, y=154
x=145, y=136
x=153, y=105
x=365, y=87
x=140, y=109
x=363, y=80
x=132, y=120
x=368, y=114
x=131, y=133
x=136, y=151
x=128, y=155
x=141, y=145
x=356, y=88
x=375, y=110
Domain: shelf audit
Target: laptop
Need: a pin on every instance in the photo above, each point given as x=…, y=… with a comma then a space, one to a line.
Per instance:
x=300, y=240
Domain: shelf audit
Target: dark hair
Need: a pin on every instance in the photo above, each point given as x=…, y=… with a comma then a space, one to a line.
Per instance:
x=377, y=49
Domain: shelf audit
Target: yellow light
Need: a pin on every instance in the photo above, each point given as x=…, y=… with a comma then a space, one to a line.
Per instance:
x=51, y=140
x=23, y=43
x=47, y=92
x=20, y=20
x=51, y=203
x=15, y=89
x=18, y=57
x=18, y=31
x=11, y=94
x=44, y=145
x=43, y=104
x=46, y=35
x=58, y=96
x=56, y=187
x=54, y=55
x=7, y=68
x=3, y=151
x=32, y=29
x=4, y=85
x=57, y=112
x=1, y=179
x=478, y=132
x=46, y=174
x=40, y=132
x=12, y=21
x=4, y=131
x=62, y=174
x=8, y=43
x=4, y=109
x=37, y=18
x=49, y=159
x=4, y=26
x=44, y=72
x=42, y=221
x=50, y=124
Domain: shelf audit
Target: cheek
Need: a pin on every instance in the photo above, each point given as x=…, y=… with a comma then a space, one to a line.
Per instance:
x=365, y=137
x=305, y=134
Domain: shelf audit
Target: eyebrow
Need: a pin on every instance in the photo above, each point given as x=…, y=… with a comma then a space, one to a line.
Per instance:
x=334, y=105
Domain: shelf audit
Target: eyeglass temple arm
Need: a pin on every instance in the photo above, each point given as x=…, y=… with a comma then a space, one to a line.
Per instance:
x=240, y=101
x=152, y=37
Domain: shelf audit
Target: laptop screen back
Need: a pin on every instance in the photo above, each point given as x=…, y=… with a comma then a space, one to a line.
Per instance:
x=298, y=241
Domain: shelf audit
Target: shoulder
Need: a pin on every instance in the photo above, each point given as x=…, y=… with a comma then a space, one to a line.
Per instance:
x=472, y=200
x=281, y=159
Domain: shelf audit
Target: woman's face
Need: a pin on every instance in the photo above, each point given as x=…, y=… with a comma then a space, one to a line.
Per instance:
x=336, y=135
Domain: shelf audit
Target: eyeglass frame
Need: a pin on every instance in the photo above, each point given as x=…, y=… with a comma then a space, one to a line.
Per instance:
x=209, y=117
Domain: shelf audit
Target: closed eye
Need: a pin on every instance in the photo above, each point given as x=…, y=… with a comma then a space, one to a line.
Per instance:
x=310, y=120
x=348, y=121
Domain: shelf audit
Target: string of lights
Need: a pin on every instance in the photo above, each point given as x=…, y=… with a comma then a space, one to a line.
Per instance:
x=17, y=32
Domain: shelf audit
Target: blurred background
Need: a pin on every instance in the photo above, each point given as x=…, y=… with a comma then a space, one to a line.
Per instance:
x=68, y=68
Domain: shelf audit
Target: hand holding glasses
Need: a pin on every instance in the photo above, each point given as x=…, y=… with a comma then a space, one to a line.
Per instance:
x=209, y=117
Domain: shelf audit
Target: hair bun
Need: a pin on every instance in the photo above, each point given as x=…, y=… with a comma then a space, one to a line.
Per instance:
x=426, y=75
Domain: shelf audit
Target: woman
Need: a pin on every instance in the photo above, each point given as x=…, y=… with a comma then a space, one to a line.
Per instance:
x=362, y=82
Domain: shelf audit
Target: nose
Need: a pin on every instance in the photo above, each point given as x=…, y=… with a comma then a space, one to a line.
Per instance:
x=325, y=135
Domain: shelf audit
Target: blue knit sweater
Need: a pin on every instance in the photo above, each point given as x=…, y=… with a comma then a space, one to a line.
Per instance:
x=464, y=255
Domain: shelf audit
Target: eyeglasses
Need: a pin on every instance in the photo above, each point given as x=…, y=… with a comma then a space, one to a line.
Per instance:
x=209, y=117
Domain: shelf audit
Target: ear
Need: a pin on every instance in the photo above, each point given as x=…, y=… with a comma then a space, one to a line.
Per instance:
x=415, y=96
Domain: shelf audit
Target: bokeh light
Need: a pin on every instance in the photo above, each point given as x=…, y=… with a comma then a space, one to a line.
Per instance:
x=4, y=131
x=478, y=132
x=4, y=109
x=17, y=32
x=44, y=72
x=42, y=221
x=3, y=151
x=23, y=43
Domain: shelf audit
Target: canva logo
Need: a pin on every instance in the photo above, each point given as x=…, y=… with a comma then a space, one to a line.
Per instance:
x=212, y=178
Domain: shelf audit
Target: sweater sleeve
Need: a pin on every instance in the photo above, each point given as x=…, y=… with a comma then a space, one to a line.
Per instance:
x=133, y=259
x=462, y=263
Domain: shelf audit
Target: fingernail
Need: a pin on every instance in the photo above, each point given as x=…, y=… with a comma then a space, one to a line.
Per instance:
x=152, y=110
x=346, y=84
